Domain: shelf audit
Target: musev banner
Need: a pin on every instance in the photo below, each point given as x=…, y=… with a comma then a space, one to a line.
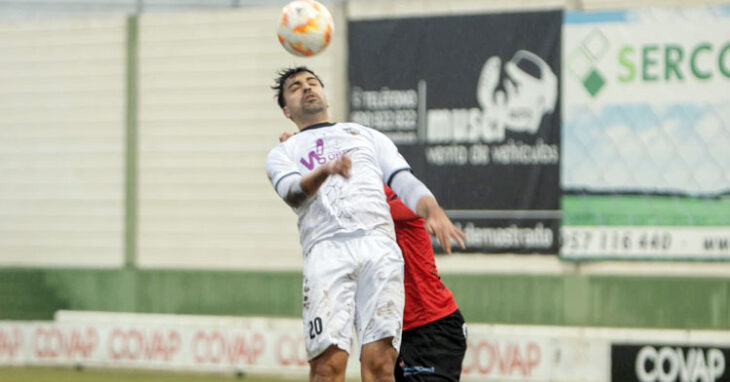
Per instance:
x=472, y=102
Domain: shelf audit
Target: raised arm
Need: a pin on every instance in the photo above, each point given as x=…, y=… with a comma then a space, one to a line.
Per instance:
x=417, y=197
x=289, y=182
x=291, y=185
x=310, y=183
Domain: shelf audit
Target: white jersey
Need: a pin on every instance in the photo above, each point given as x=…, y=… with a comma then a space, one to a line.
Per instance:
x=340, y=205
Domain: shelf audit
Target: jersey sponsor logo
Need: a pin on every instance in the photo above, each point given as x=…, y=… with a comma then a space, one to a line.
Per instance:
x=317, y=156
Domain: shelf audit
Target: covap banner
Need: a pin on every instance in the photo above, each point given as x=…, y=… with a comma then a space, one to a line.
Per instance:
x=668, y=362
x=473, y=104
x=251, y=345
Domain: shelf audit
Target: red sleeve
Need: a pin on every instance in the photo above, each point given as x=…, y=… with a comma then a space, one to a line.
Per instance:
x=398, y=210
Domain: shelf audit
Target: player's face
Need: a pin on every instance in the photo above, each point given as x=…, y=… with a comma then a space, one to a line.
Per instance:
x=303, y=94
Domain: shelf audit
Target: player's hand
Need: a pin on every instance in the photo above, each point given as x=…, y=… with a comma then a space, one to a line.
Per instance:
x=439, y=225
x=340, y=167
x=284, y=136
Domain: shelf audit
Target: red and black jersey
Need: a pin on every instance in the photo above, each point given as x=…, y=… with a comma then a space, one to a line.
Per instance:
x=427, y=298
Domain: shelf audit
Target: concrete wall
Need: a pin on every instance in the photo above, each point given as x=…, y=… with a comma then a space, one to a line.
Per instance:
x=189, y=189
x=61, y=142
x=634, y=301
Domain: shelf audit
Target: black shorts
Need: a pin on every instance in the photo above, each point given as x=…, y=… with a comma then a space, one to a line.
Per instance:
x=433, y=352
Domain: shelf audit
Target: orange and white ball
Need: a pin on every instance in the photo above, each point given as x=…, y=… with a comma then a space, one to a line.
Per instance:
x=305, y=27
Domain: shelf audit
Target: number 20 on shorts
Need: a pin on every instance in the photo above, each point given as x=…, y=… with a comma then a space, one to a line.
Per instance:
x=315, y=327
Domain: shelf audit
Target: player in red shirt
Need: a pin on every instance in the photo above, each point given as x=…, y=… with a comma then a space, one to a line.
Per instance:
x=434, y=332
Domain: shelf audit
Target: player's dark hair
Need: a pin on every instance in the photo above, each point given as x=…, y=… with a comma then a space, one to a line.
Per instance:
x=283, y=75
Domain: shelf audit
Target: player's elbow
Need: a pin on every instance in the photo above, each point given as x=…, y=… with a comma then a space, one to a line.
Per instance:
x=295, y=198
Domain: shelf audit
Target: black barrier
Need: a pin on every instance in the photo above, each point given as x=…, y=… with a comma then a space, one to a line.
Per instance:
x=473, y=104
x=668, y=363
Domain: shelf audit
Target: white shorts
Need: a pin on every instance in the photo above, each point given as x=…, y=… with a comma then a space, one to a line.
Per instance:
x=355, y=279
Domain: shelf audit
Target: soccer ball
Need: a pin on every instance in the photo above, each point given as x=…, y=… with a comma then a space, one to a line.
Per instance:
x=305, y=27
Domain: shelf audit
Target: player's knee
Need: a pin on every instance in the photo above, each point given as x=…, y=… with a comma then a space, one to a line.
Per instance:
x=328, y=366
x=325, y=372
x=383, y=368
x=380, y=365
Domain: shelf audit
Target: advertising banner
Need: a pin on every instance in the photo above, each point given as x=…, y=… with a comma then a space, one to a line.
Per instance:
x=472, y=103
x=270, y=346
x=261, y=345
x=641, y=242
x=165, y=347
x=645, y=132
x=525, y=358
x=670, y=363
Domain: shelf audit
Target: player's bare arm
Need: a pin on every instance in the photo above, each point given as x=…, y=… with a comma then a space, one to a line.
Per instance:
x=420, y=200
x=310, y=183
x=438, y=224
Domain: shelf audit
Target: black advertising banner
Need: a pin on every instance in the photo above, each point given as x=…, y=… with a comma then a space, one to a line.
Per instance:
x=670, y=363
x=473, y=104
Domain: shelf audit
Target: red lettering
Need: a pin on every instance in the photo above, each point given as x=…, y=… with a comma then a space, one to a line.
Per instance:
x=492, y=356
x=533, y=356
x=54, y=342
x=246, y=350
x=163, y=346
x=197, y=340
x=115, y=342
x=215, y=348
x=153, y=346
x=135, y=344
x=10, y=341
x=503, y=359
x=290, y=351
x=513, y=360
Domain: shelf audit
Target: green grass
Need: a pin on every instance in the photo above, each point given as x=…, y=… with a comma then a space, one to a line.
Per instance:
x=52, y=374
x=645, y=210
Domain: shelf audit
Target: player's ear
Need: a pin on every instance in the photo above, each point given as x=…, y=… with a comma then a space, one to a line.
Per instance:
x=285, y=110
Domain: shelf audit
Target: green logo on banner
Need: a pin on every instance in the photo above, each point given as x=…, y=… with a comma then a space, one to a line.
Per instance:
x=673, y=62
x=583, y=62
x=594, y=82
x=665, y=63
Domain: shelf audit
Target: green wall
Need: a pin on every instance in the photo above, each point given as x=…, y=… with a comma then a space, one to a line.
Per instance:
x=576, y=300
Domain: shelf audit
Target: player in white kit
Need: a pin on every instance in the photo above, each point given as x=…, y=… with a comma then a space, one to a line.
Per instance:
x=331, y=174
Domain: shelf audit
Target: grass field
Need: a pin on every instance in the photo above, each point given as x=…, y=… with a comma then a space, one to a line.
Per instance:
x=645, y=210
x=48, y=374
